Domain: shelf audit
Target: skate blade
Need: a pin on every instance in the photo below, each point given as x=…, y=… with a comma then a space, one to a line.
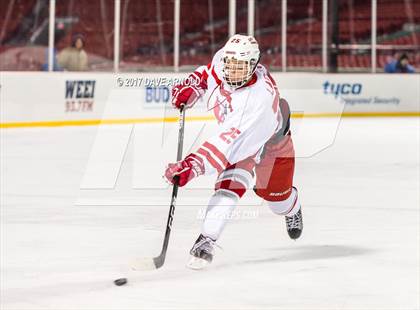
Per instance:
x=197, y=263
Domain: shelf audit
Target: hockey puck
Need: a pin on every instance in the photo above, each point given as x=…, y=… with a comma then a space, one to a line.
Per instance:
x=120, y=282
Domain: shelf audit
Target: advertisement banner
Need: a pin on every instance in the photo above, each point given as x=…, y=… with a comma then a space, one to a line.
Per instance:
x=39, y=98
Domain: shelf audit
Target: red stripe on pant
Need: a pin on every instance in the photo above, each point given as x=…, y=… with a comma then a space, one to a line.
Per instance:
x=274, y=173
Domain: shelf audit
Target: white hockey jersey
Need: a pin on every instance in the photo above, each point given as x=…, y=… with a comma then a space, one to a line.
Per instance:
x=248, y=117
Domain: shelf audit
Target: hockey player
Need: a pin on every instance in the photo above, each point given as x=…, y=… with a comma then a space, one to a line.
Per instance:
x=253, y=139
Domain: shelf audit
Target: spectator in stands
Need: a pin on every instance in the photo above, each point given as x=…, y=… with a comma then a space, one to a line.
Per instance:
x=74, y=58
x=400, y=65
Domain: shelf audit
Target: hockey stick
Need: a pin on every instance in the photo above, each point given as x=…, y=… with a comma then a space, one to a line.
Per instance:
x=158, y=261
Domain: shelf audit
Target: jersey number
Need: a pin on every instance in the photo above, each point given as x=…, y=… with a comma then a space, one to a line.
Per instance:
x=228, y=136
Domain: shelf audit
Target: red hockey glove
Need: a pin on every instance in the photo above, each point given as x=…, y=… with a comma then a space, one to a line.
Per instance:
x=187, y=169
x=189, y=91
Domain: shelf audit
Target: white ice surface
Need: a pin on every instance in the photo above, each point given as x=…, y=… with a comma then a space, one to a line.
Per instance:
x=61, y=247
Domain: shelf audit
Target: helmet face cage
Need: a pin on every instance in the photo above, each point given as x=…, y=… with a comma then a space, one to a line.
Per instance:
x=237, y=73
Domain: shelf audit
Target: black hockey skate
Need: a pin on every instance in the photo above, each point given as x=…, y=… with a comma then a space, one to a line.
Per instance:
x=294, y=225
x=201, y=253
